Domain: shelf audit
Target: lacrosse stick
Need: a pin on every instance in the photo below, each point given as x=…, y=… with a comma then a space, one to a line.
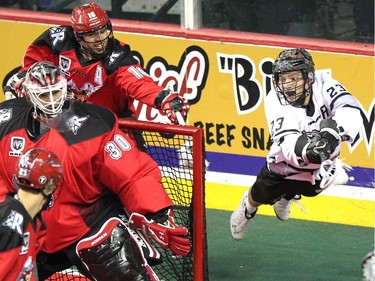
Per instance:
x=333, y=172
x=185, y=151
x=179, y=117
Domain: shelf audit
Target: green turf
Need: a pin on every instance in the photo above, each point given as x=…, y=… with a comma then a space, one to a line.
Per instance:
x=293, y=250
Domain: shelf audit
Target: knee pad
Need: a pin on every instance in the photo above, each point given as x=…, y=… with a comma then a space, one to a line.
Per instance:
x=112, y=254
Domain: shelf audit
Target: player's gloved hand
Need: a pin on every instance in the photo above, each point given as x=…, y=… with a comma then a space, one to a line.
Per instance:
x=167, y=234
x=324, y=144
x=170, y=103
x=13, y=87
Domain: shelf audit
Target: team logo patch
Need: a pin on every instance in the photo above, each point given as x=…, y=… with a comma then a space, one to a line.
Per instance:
x=76, y=122
x=27, y=270
x=42, y=180
x=65, y=64
x=57, y=34
x=25, y=243
x=114, y=56
x=5, y=115
x=17, y=145
x=14, y=221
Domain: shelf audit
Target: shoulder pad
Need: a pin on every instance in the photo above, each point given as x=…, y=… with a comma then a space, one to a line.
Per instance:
x=58, y=39
x=89, y=121
x=102, y=118
x=121, y=55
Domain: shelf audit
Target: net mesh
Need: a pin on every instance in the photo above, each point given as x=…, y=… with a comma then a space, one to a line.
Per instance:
x=174, y=154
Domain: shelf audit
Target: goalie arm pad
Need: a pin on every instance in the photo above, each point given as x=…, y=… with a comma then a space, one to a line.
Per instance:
x=167, y=234
x=13, y=88
x=170, y=103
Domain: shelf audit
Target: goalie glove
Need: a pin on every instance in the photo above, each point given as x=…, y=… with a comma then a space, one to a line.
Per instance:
x=170, y=103
x=167, y=235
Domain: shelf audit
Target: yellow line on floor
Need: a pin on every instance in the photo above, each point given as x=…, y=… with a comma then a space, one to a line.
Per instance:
x=320, y=208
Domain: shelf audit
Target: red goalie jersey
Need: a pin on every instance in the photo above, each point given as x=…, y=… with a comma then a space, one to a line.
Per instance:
x=101, y=166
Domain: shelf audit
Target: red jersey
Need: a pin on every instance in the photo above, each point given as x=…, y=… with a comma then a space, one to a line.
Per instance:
x=98, y=159
x=21, y=238
x=114, y=81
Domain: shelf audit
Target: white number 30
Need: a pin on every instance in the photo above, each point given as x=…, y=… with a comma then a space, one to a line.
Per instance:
x=117, y=146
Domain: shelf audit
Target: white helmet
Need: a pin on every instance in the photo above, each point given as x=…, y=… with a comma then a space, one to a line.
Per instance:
x=46, y=89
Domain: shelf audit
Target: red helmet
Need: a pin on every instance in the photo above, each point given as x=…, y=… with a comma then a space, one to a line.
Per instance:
x=37, y=169
x=88, y=18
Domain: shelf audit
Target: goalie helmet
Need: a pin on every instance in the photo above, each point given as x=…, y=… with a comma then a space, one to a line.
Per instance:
x=45, y=88
x=93, y=29
x=39, y=171
x=293, y=88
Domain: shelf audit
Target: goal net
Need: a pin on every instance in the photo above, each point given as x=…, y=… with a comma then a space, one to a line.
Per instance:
x=179, y=152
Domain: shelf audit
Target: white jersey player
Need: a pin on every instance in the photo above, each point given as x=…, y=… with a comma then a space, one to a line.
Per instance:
x=309, y=114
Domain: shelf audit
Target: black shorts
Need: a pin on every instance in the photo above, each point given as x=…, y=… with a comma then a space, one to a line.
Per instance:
x=270, y=187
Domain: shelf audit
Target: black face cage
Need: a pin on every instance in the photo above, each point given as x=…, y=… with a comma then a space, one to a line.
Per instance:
x=294, y=66
x=293, y=60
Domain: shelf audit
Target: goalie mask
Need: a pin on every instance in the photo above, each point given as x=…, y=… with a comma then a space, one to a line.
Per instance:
x=39, y=171
x=93, y=29
x=46, y=90
x=293, y=76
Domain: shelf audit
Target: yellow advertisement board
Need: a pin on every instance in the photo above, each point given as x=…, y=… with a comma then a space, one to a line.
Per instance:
x=225, y=84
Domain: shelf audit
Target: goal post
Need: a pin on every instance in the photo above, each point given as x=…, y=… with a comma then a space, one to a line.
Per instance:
x=184, y=144
x=179, y=152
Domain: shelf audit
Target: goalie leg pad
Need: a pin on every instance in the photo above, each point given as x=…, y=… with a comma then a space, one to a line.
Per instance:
x=112, y=254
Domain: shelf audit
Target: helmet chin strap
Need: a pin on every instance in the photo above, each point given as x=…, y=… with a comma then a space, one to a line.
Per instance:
x=301, y=101
x=49, y=203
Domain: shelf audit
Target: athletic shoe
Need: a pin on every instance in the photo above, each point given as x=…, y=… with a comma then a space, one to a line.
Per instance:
x=240, y=219
x=282, y=209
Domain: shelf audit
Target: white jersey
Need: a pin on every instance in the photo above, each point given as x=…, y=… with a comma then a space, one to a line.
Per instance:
x=330, y=100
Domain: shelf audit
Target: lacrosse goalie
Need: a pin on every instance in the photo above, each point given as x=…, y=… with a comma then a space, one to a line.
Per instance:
x=309, y=115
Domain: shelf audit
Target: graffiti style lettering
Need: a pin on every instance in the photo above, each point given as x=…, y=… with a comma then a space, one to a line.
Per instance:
x=253, y=138
x=220, y=134
x=188, y=79
x=266, y=71
x=224, y=134
x=246, y=89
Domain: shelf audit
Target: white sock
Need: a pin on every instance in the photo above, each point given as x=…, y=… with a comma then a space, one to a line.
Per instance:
x=250, y=209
